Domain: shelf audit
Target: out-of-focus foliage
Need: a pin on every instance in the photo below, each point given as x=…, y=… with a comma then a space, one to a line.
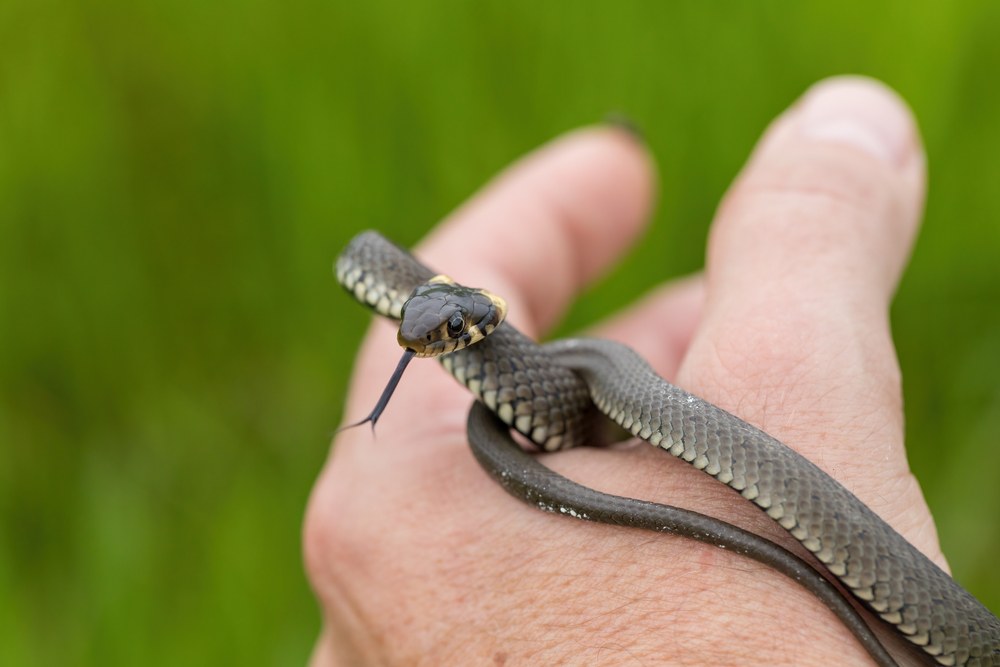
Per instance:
x=177, y=177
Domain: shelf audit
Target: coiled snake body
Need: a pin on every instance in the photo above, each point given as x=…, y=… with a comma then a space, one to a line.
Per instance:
x=533, y=389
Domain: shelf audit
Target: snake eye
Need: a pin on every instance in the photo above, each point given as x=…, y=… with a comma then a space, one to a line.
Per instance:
x=456, y=325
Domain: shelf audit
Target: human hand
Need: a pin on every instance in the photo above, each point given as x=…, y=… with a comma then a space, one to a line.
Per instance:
x=417, y=558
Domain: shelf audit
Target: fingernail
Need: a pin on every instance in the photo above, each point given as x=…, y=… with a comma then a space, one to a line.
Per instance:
x=861, y=113
x=625, y=122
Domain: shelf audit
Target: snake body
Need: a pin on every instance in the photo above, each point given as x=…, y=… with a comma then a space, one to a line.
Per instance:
x=532, y=389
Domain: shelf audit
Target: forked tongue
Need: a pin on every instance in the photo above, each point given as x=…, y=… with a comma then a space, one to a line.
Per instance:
x=386, y=393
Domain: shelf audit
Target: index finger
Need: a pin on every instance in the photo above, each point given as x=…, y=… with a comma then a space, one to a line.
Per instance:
x=550, y=223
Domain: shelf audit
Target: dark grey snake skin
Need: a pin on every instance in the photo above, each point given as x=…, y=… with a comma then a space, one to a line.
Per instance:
x=511, y=374
x=530, y=389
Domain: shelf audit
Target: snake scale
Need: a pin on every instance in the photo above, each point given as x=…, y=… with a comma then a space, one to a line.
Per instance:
x=533, y=390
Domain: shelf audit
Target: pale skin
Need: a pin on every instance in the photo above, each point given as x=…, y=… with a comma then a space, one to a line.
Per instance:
x=417, y=558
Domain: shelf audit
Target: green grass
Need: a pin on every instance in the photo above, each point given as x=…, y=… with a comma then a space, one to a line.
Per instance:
x=177, y=177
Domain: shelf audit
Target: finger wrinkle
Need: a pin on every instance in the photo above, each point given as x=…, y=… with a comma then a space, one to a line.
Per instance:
x=789, y=236
x=766, y=382
x=814, y=209
x=860, y=182
x=810, y=399
x=825, y=204
x=843, y=177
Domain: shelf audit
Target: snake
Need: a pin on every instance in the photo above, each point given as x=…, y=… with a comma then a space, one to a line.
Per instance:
x=553, y=396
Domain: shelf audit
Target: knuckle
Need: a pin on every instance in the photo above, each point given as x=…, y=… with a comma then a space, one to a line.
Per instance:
x=330, y=546
x=314, y=544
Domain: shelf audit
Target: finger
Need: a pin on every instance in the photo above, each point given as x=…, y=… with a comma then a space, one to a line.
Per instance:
x=535, y=235
x=551, y=223
x=661, y=324
x=804, y=257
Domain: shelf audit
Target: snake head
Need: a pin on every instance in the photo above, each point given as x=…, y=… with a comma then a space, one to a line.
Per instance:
x=442, y=316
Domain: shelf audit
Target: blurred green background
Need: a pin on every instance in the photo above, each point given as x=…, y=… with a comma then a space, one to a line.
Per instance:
x=177, y=177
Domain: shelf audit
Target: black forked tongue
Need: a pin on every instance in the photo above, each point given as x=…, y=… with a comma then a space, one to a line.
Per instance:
x=386, y=393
